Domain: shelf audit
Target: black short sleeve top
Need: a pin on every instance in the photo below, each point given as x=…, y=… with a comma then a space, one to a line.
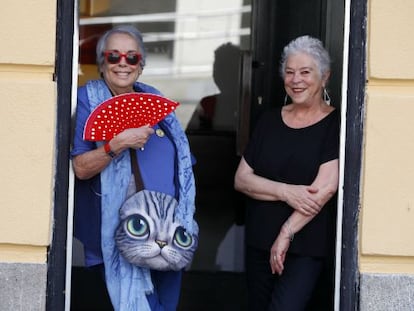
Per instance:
x=281, y=153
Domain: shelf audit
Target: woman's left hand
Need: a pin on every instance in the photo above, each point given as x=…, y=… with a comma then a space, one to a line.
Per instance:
x=303, y=199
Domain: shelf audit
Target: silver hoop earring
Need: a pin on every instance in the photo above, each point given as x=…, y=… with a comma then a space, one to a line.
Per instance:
x=326, y=97
x=286, y=100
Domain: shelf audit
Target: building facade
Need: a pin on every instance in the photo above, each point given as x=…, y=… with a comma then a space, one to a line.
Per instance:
x=375, y=250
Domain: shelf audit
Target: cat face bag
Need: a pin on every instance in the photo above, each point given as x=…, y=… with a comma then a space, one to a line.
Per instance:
x=149, y=235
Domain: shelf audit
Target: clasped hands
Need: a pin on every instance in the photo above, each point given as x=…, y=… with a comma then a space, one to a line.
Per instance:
x=304, y=199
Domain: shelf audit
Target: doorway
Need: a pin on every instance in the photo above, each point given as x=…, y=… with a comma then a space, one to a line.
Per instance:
x=263, y=28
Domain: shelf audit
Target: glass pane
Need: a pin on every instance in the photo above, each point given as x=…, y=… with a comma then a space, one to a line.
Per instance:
x=194, y=56
x=182, y=38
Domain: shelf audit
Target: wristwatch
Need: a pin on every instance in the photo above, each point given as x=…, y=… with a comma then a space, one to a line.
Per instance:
x=108, y=150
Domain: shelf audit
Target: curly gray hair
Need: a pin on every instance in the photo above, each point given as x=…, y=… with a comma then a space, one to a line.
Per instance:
x=311, y=46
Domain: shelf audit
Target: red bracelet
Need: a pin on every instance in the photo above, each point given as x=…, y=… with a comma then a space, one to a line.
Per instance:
x=108, y=150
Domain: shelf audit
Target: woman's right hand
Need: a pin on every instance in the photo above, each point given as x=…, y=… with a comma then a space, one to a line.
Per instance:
x=302, y=199
x=131, y=138
x=90, y=163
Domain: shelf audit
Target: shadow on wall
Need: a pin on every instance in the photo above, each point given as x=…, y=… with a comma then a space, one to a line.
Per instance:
x=212, y=135
x=219, y=112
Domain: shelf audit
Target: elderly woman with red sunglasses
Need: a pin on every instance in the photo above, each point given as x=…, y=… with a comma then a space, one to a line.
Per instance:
x=121, y=58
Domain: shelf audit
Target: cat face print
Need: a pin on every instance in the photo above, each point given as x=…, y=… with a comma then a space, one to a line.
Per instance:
x=149, y=236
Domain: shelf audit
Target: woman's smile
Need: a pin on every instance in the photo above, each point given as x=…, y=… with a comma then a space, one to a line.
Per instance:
x=121, y=76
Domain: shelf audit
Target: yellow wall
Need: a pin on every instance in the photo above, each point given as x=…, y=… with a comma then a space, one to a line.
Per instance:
x=387, y=210
x=28, y=108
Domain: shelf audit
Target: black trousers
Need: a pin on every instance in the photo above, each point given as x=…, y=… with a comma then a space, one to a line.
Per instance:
x=292, y=291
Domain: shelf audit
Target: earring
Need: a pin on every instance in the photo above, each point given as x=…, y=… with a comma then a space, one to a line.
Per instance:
x=326, y=97
x=286, y=100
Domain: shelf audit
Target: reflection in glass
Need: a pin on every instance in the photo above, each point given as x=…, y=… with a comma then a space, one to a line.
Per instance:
x=181, y=38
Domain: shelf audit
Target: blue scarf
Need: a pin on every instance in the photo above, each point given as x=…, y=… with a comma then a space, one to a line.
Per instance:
x=127, y=284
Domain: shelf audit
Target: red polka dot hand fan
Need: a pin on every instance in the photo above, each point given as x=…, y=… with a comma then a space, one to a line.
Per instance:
x=125, y=111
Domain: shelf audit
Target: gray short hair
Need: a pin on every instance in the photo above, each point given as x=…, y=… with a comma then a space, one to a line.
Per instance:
x=311, y=46
x=126, y=29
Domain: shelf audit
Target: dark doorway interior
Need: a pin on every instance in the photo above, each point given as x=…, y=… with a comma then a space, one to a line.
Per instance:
x=274, y=24
x=201, y=291
x=216, y=278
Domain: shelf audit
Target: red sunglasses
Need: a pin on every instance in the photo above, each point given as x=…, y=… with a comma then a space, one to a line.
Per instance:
x=114, y=57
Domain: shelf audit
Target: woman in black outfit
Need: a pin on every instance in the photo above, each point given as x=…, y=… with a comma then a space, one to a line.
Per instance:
x=289, y=172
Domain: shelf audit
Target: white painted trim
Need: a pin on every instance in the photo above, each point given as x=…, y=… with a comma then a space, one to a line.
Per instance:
x=162, y=17
x=345, y=63
x=169, y=36
x=69, y=233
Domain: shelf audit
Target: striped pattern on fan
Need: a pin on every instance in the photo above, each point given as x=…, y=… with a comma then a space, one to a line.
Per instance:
x=130, y=110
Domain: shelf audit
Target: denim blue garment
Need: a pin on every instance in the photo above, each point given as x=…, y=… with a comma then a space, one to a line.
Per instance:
x=128, y=285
